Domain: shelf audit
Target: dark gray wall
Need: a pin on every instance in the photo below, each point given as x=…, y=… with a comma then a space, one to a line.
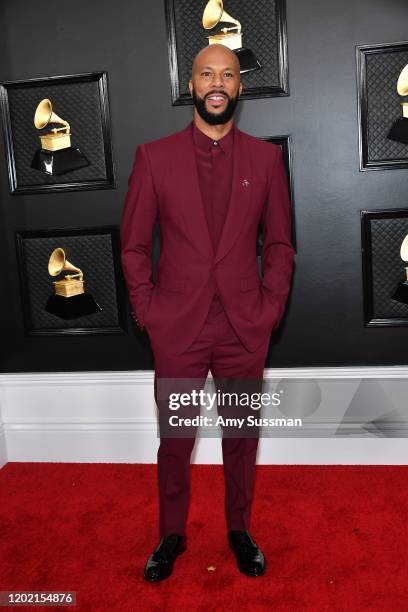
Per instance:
x=324, y=323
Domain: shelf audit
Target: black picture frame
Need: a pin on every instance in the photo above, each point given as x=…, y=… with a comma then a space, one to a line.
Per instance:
x=382, y=232
x=96, y=251
x=285, y=142
x=80, y=99
x=378, y=68
x=186, y=36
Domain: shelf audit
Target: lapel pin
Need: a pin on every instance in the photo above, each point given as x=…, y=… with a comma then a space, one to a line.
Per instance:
x=245, y=183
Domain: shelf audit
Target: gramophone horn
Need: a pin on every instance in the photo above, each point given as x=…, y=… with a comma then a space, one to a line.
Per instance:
x=44, y=115
x=214, y=13
x=402, y=84
x=58, y=263
x=404, y=249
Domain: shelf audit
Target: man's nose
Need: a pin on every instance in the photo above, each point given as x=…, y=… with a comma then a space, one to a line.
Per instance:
x=218, y=80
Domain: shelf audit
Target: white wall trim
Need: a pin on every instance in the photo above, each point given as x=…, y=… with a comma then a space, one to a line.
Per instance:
x=3, y=448
x=146, y=376
x=111, y=417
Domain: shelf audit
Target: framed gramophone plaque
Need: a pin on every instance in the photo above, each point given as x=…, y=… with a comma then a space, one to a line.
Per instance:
x=57, y=133
x=71, y=281
x=384, y=236
x=382, y=79
x=255, y=30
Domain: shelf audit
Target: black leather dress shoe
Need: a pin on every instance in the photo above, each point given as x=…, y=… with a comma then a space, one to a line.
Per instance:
x=160, y=563
x=250, y=558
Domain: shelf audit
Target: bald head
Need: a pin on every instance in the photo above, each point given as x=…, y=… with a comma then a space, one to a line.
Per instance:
x=218, y=54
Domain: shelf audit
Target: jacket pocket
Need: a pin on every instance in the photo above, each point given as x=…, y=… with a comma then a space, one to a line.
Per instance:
x=250, y=282
x=171, y=284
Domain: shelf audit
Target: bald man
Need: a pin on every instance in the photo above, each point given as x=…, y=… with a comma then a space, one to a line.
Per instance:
x=209, y=187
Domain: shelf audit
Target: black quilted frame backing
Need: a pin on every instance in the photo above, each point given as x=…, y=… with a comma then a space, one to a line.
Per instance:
x=383, y=268
x=96, y=252
x=379, y=105
x=263, y=31
x=80, y=99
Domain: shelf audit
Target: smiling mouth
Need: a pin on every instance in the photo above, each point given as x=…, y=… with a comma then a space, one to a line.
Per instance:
x=216, y=99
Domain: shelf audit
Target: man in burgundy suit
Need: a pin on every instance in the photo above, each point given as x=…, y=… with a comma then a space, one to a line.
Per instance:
x=209, y=186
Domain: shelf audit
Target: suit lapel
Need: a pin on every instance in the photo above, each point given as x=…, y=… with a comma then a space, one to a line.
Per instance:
x=192, y=202
x=240, y=196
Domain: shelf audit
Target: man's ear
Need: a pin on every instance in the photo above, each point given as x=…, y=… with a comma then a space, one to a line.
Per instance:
x=241, y=87
x=190, y=86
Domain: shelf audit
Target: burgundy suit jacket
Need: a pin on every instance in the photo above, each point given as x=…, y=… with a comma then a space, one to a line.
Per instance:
x=164, y=187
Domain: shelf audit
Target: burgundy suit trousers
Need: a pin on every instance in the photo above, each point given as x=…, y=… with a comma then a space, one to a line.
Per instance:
x=218, y=349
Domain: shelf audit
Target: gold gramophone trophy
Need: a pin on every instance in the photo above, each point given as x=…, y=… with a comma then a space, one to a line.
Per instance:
x=56, y=155
x=231, y=37
x=401, y=293
x=69, y=300
x=399, y=129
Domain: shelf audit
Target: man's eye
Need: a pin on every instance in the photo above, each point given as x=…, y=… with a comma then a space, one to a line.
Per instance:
x=206, y=73
x=228, y=74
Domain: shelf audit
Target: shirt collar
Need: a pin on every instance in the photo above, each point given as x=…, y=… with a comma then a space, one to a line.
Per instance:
x=205, y=143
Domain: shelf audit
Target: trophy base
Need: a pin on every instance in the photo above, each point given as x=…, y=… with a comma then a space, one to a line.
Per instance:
x=72, y=307
x=399, y=130
x=59, y=162
x=247, y=60
x=401, y=293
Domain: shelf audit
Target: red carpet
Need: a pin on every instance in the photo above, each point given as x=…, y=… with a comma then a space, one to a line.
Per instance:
x=335, y=537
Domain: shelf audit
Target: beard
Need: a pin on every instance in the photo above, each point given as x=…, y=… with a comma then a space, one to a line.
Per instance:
x=215, y=118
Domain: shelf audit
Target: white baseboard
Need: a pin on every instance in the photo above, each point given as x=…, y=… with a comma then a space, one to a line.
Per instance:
x=111, y=417
x=3, y=449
